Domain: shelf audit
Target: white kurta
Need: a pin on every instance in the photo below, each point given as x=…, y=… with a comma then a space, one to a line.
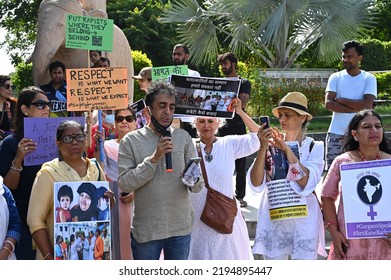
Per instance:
x=301, y=238
x=207, y=243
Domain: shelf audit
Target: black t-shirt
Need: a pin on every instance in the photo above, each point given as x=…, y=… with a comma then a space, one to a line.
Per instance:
x=58, y=108
x=236, y=126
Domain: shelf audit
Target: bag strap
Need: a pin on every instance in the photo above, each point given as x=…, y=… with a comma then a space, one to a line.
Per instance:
x=310, y=149
x=97, y=166
x=203, y=169
x=312, y=145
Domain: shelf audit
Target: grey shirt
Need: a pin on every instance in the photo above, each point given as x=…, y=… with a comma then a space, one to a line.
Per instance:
x=162, y=203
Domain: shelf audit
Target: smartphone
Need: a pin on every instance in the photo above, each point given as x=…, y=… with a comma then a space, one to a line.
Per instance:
x=195, y=159
x=124, y=193
x=264, y=119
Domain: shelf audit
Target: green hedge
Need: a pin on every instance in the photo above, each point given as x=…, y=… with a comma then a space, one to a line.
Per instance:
x=140, y=60
x=383, y=85
x=377, y=55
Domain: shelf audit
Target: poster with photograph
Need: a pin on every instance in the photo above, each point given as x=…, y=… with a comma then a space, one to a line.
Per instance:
x=82, y=228
x=142, y=115
x=284, y=202
x=204, y=96
x=366, y=198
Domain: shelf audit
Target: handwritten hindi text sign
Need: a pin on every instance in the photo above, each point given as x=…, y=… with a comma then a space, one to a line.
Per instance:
x=97, y=88
x=89, y=33
x=43, y=132
x=163, y=72
x=366, y=198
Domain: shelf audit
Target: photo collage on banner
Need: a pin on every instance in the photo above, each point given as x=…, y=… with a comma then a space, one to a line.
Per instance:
x=82, y=228
x=204, y=96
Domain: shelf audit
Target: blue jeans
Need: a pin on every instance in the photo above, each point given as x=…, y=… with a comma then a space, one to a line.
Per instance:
x=174, y=248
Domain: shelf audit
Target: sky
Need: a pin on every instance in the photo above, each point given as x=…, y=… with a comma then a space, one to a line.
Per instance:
x=5, y=63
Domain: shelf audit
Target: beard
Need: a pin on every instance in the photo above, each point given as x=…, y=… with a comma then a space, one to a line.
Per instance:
x=227, y=71
x=179, y=61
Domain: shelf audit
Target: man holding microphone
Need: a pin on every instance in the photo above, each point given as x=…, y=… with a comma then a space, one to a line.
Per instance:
x=163, y=215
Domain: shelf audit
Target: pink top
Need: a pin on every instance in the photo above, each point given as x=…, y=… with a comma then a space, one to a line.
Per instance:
x=359, y=249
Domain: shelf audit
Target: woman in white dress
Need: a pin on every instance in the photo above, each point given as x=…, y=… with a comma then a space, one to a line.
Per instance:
x=219, y=154
x=291, y=238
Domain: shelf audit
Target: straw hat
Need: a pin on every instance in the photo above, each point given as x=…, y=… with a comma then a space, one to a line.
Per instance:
x=295, y=101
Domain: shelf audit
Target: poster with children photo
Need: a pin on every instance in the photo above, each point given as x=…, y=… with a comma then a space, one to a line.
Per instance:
x=81, y=202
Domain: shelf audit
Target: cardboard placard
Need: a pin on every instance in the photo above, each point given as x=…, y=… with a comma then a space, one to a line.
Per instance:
x=89, y=33
x=97, y=88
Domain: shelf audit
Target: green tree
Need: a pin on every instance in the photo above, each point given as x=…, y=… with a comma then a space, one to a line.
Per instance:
x=382, y=29
x=139, y=20
x=278, y=31
x=19, y=18
x=23, y=76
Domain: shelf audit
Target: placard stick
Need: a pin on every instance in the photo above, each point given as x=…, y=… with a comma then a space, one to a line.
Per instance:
x=89, y=114
x=88, y=129
x=101, y=153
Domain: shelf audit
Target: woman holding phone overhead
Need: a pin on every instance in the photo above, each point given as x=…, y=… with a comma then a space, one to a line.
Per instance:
x=294, y=238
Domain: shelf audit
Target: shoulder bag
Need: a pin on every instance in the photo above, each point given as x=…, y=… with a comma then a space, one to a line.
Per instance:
x=219, y=211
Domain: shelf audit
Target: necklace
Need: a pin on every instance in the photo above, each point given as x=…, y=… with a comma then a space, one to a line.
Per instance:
x=208, y=156
x=363, y=158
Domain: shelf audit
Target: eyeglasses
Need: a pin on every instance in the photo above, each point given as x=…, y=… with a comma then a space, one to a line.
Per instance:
x=41, y=104
x=109, y=112
x=7, y=86
x=120, y=119
x=69, y=138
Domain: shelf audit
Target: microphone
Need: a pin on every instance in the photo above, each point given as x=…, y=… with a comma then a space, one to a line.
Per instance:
x=168, y=155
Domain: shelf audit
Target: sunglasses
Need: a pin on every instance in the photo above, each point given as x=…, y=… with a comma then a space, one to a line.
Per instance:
x=120, y=119
x=7, y=86
x=69, y=138
x=41, y=104
x=109, y=112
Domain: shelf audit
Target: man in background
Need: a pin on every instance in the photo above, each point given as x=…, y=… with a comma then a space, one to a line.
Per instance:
x=180, y=56
x=235, y=126
x=56, y=90
x=348, y=92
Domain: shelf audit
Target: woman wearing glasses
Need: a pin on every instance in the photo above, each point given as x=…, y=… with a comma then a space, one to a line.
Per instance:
x=7, y=106
x=32, y=103
x=69, y=167
x=125, y=121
